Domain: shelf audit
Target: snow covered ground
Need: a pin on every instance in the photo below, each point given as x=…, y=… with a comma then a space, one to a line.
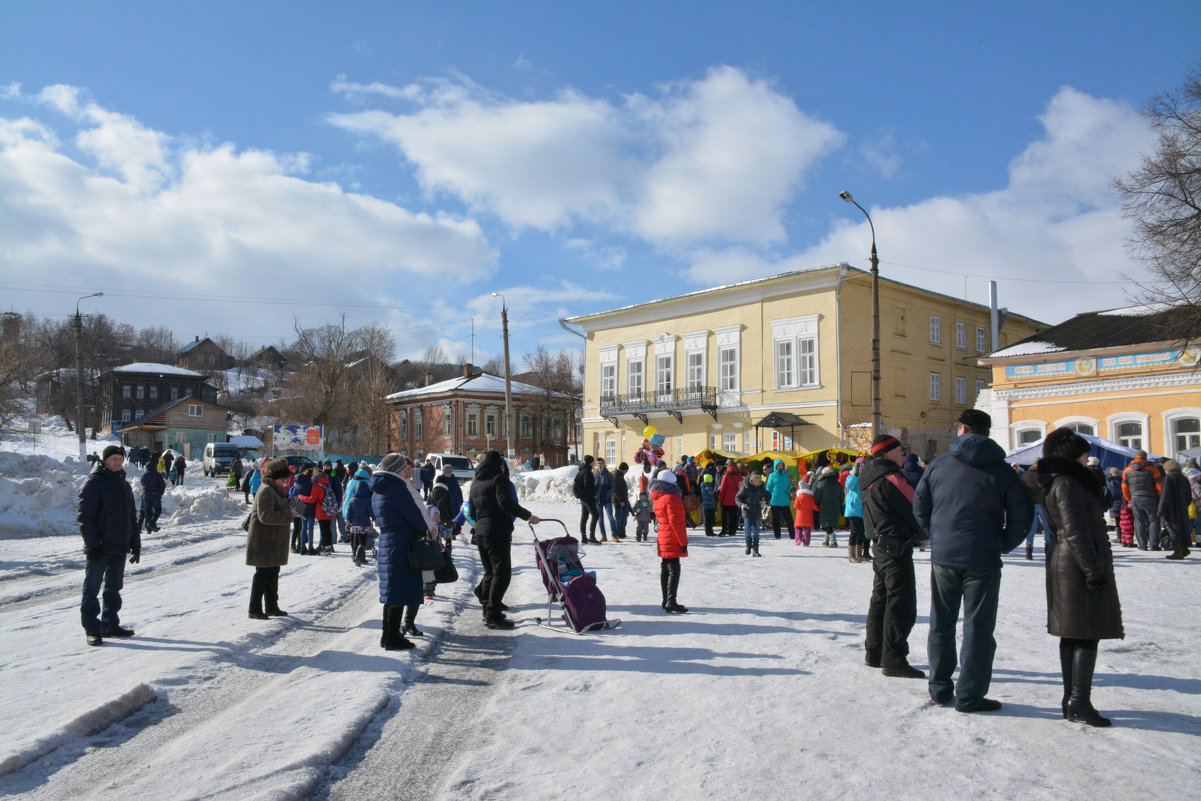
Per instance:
x=759, y=692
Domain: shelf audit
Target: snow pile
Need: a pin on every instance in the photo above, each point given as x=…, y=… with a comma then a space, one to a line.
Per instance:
x=554, y=486
x=38, y=494
x=185, y=505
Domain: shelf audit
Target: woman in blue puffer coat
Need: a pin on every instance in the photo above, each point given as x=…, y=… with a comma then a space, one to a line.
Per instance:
x=852, y=510
x=400, y=523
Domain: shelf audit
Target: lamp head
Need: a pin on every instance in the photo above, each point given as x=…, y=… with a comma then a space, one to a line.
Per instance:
x=496, y=294
x=845, y=195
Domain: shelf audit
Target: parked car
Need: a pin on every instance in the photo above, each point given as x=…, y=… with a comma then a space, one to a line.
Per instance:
x=301, y=463
x=463, y=469
x=218, y=457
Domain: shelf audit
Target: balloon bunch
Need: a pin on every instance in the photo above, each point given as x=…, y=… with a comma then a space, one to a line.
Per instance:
x=651, y=450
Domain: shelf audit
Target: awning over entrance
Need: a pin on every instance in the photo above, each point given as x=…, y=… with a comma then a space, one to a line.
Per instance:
x=780, y=421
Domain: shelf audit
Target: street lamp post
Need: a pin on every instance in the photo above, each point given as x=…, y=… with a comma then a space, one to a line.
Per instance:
x=877, y=417
x=79, y=422
x=504, y=320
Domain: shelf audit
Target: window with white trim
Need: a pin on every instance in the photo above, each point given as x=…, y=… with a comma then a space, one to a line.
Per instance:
x=448, y=420
x=1081, y=427
x=418, y=423
x=195, y=410
x=610, y=451
x=403, y=424
x=729, y=442
x=727, y=369
x=125, y=415
x=141, y=392
x=490, y=423
x=960, y=390
x=981, y=385
x=154, y=392
x=1029, y=436
x=696, y=371
x=795, y=352
x=784, y=365
x=935, y=386
x=935, y=330
x=1130, y=434
x=473, y=423
x=712, y=442
x=664, y=367
x=961, y=335
x=981, y=342
x=608, y=388
x=127, y=392
x=1186, y=433
x=525, y=422
x=635, y=375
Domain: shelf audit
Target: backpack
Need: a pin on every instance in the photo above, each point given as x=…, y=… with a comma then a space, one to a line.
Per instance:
x=329, y=503
x=577, y=488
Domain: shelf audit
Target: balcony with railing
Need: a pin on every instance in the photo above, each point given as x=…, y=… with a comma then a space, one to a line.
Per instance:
x=672, y=402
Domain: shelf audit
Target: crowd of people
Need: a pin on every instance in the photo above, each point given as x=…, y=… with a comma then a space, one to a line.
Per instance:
x=969, y=507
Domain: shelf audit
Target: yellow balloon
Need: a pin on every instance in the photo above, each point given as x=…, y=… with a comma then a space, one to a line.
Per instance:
x=649, y=431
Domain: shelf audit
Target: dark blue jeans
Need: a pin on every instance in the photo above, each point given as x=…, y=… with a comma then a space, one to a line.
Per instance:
x=623, y=514
x=978, y=590
x=109, y=572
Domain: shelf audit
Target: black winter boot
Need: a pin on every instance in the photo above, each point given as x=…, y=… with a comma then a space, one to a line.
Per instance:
x=663, y=584
x=256, y=597
x=410, y=621
x=673, y=584
x=271, y=597
x=392, y=639
x=1080, y=705
x=1029, y=551
x=1067, y=649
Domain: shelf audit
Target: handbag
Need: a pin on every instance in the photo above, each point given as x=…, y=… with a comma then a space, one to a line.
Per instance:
x=425, y=555
x=246, y=522
x=448, y=573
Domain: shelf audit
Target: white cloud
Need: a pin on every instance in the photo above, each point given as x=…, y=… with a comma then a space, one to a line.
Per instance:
x=1056, y=219
x=220, y=218
x=713, y=159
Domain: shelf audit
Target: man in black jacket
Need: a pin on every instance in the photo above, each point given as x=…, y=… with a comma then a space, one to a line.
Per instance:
x=153, y=487
x=108, y=522
x=889, y=522
x=975, y=508
x=584, y=488
x=621, y=501
x=494, y=505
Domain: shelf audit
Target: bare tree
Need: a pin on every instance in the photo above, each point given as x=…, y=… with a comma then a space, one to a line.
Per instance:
x=495, y=365
x=1163, y=199
x=156, y=344
x=554, y=373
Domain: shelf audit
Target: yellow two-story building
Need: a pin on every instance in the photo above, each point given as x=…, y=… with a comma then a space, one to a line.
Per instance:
x=784, y=363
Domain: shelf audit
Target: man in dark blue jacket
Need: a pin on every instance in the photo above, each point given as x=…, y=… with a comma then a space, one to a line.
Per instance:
x=108, y=522
x=974, y=508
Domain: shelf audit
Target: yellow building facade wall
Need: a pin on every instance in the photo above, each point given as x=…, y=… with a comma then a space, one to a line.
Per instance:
x=829, y=305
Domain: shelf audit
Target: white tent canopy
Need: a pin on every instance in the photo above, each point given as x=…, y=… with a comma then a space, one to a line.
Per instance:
x=1110, y=453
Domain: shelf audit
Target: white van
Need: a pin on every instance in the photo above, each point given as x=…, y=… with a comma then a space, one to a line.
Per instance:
x=218, y=456
x=463, y=469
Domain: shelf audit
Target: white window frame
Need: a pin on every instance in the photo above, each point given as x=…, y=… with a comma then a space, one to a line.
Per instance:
x=935, y=387
x=935, y=329
x=960, y=390
x=125, y=415
x=195, y=410
x=448, y=420
x=981, y=340
x=636, y=378
x=402, y=423
x=608, y=387
x=610, y=451
x=1115, y=421
x=490, y=423
x=418, y=423
x=1039, y=432
x=712, y=442
x=981, y=385
x=729, y=340
x=127, y=392
x=140, y=392
x=154, y=392
x=729, y=441
x=473, y=423
x=961, y=336
x=664, y=375
x=525, y=425
x=695, y=371
x=796, y=353
x=1170, y=418
x=1076, y=420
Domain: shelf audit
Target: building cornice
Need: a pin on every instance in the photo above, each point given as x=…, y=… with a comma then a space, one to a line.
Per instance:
x=1100, y=386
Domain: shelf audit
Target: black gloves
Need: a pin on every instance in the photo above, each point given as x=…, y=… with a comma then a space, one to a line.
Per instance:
x=95, y=554
x=135, y=556
x=684, y=550
x=1095, y=585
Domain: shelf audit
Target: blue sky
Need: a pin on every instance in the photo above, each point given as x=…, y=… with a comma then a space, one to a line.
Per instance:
x=225, y=167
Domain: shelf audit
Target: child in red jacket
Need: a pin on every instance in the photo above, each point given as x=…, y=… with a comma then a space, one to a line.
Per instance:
x=672, y=539
x=805, y=507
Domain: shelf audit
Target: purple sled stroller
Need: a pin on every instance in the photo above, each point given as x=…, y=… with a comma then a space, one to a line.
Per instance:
x=568, y=585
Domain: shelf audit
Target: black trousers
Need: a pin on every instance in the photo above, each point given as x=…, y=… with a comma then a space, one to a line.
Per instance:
x=729, y=521
x=781, y=516
x=327, y=536
x=893, y=609
x=264, y=586
x=497, y=561
x=588, y=508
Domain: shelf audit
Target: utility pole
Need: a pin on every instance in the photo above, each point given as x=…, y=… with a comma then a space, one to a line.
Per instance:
x=504, y=321
x=79, y=421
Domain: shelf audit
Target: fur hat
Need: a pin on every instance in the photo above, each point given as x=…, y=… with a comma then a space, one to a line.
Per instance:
x=976, y=419
x=277, y=468
x=112, y=450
